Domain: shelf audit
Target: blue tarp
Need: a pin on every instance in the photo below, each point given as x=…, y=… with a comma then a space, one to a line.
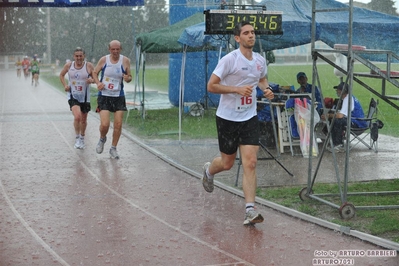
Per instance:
x=296, y=25
x=69, y=3
x=372, y=29
x=193, y=36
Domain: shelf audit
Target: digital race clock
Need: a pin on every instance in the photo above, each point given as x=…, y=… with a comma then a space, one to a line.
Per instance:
x=223, y=21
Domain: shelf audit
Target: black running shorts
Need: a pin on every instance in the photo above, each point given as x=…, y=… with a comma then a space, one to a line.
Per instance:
x=111, y=104
x=84, y=107
x=232, y=134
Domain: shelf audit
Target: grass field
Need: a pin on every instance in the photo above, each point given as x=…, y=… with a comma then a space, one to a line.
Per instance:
x=381, y=223
x=164, y=124
x=285, y=75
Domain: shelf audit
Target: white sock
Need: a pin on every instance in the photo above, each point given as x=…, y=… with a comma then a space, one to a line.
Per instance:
x=208, y=174
x=249, y=206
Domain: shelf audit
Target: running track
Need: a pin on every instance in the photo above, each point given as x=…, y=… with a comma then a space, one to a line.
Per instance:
x=61, y=206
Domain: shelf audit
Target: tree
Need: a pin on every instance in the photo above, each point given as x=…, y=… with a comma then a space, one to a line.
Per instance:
x=383, y=6
x=21, y=30
x=153, y=15
x=25, y=29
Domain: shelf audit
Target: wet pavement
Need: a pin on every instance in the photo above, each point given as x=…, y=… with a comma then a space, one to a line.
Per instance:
x=62, y=206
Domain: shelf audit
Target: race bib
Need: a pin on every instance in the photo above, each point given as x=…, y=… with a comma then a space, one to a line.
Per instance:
x=78, y=86
x=111, y=86
x=244, y=103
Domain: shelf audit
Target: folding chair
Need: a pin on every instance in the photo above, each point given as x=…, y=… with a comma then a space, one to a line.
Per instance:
x=358, y=135
x=293, y=134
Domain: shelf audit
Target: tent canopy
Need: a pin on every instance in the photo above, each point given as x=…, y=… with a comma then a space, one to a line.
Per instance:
x=164, y=40
x=372, y=29
x=194, y=37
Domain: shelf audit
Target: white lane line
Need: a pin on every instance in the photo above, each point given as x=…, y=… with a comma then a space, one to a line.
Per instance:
x=30, y=230
x=11, y=206
x=239, y=260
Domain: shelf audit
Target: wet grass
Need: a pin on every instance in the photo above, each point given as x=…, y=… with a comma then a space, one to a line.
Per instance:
x=157, y=78
x=158, y=124
x=382, y=223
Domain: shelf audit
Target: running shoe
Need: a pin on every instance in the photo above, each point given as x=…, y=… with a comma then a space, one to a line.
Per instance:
x=100, y=145
x=206, y=181
x=338, y=148
x=252, y=217
x=113, y=153
x=77, y=143
x=82, y=143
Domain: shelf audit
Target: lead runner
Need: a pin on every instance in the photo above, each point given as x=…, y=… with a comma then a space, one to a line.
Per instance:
x=236, y=77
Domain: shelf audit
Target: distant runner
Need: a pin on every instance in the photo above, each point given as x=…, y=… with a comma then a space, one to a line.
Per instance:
x=35, y=69
x=25, y=66
x=18, y=66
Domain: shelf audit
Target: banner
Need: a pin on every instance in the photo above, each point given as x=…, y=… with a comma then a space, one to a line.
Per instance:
x=69, y=3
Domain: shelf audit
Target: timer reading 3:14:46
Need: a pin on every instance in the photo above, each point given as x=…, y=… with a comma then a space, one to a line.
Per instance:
x=224, y=21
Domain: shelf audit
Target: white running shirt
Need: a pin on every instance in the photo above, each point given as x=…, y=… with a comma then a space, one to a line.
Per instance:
x=112, y=77
x=344, y=107
x=77, y=81
x=236, y=70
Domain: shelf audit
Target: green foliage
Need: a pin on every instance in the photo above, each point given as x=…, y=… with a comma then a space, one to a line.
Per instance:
x=21, y=30
x=97, y=27
x=25, y=29
x=383, y=6
x=270, y=57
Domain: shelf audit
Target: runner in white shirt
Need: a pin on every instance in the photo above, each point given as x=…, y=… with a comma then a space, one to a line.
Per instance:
x=78, y=92
x=236, y=77
x=114, y=69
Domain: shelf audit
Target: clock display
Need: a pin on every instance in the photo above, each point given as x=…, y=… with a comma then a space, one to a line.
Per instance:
x=223, y=21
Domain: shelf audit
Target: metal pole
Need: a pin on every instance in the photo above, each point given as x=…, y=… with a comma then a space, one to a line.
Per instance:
x=350, y=88
x=48, y=37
